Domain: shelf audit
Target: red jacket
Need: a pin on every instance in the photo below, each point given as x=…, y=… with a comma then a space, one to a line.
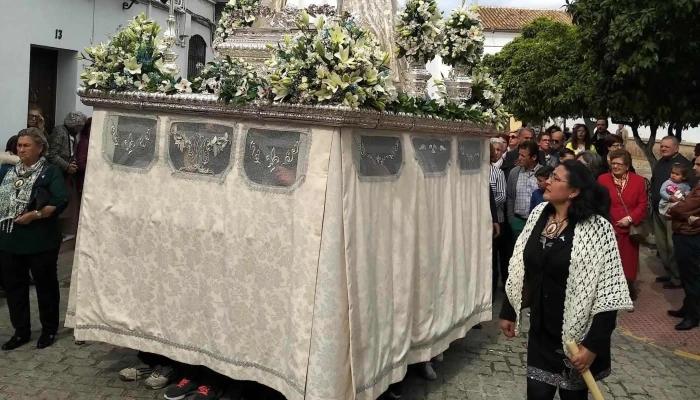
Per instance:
x=634, y=195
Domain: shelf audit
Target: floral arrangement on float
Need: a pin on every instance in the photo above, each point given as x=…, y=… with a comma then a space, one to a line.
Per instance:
x=462, y=49
x=232, y=80
x=487, y=97
x=132, y=60
x=335, y=62
x=418, y=36
x=237, y=14
x=463, y=39
x=419, y=31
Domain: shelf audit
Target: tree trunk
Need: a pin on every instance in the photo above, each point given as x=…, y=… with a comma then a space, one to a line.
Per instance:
x=679, y=132
x=648, y=147
x=590, y=125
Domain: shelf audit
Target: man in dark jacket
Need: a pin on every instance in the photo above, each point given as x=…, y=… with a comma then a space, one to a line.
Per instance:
x=525, y=134
x=686, y=239
x=664, y=243
x=601, y=132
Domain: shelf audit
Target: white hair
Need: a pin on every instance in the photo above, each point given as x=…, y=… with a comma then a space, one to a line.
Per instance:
x=499, y=142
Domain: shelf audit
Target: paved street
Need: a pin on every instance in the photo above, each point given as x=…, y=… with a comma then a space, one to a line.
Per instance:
x=484, y=365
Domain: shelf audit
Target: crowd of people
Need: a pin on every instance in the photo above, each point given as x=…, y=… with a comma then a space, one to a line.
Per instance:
x=569, y=214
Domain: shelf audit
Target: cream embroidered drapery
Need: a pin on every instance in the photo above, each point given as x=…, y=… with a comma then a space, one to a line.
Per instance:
x=376, y=256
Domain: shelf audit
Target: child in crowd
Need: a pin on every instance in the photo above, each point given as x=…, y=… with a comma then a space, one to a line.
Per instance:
x=675, y=188
x=542, y=176
x=566, y=154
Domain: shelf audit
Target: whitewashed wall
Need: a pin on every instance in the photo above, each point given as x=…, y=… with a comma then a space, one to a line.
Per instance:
x=84, y=23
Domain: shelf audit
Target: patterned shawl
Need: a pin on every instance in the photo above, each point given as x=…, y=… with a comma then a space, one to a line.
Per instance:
x=16, y=192
x=596, y=281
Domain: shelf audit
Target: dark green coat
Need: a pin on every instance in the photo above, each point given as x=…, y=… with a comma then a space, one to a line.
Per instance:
x=43, y=234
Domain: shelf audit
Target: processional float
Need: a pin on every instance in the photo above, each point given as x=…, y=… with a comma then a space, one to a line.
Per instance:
x=318, y=250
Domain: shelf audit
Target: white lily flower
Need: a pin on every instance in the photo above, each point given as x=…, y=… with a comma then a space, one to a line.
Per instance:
x=183, y=86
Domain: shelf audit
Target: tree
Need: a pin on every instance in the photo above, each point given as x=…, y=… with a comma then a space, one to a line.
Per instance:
x=543, y=73
x=647, y=57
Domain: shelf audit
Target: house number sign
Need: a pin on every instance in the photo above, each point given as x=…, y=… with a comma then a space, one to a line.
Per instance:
x=59, y=34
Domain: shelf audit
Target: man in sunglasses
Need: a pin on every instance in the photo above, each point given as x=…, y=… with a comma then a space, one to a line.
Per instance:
x=525, y=134
x=558, y=140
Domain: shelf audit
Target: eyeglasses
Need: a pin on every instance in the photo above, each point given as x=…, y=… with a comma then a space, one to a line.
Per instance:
x=555, y=178
x=33, y=116
x=513, y=137
x=556, y=141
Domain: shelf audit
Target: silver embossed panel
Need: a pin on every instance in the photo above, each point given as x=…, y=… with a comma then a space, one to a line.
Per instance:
x=377, y=157
x=198, y=149
x=469, y=155
x=130, y=142
x=275, y=158
x=433, y=155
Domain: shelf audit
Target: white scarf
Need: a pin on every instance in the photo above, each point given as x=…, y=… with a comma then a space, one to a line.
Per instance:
x=16, y=192
x=596, y=280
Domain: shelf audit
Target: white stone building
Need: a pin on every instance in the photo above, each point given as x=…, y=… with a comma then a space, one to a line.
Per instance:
x=42, y=38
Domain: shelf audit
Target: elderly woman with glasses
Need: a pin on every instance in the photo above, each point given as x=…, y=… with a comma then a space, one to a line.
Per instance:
x=32, y=195
x=628, y=198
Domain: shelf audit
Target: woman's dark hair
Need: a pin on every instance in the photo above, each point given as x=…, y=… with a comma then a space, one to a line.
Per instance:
x=593, y=198
x=587, y=141
x=552, y=129
x=682, y=169
x=566, y=151
x=611, y=139
x=11, y=145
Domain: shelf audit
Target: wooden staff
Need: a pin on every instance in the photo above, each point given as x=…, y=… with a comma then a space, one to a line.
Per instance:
x=587, y=376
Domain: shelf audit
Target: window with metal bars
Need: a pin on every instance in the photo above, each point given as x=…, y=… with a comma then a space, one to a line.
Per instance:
x=196, y=56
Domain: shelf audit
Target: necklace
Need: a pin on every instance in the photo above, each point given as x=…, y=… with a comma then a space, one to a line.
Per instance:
x=553, y=227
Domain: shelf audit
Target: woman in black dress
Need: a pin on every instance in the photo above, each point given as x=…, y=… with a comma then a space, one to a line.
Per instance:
x=567, y=269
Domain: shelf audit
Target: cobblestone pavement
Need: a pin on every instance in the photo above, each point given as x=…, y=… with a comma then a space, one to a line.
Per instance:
x=484, y=365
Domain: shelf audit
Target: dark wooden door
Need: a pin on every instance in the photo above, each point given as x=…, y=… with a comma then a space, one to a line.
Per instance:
x=43, y=64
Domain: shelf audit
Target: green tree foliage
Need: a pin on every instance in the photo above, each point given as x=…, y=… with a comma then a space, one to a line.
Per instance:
x=543, y=73
x=647, y=53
